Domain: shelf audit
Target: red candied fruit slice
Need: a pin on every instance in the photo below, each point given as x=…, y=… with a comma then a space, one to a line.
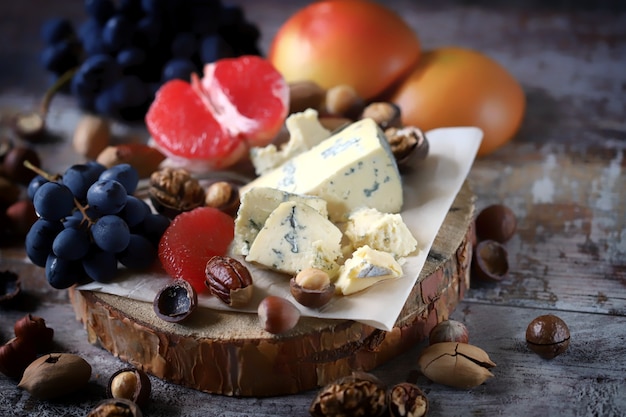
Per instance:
x=250, y=97
x=184, y=127
x=191, y=240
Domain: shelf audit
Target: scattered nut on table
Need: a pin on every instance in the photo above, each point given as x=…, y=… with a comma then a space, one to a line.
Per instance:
x=407, y=400
x=458, y=365
x=496, y=222
x=176, y=301
x=116, y=407
x=358, y=394
x=131, y=384
x=449, y=331
x=54, y=375
x=548, y=336
x=490, y=263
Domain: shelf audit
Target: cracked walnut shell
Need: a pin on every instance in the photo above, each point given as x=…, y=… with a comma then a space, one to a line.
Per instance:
x=174, y=190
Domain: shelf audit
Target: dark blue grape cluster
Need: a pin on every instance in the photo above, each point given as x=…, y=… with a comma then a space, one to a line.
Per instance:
x=90, y=223
x=126, y=50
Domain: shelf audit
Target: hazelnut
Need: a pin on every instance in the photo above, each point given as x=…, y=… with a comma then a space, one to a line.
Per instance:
x=343, y=100
x=490, y=261
x=311, y=287
x=496, y=222
x=174, y=190
x=13, y=164
x=33, y=329
x=116, y=407
x=10, y=287
x=277, y=315
x=384, y=113
x=223, y=196
x=131, y=384
x=15, y=356
x=9, y=192
x=407, y=400
x=6, y=144
x=229, y=280
x=21, y=215
x=91, y=136
x=305, y=95
x=358, y=394
x=548, y=336
x=176, y=301
x=449, y=331
x=144, y=158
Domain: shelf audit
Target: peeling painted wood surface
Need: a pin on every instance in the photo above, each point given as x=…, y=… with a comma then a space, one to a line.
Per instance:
x=563, y=175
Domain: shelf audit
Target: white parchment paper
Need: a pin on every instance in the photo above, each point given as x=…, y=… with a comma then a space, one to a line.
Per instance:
x=429, y=191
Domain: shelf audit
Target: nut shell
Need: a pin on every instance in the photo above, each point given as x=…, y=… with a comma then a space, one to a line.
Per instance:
x=491, y=261
x=10, y=287
x=312, y=287
x=548, y=336
x=449, y=331
x=359, y=394
x=175, y=302
x=54, y=375
x=174, y=190
x=15, y=356
x=33, y=330
x=458, y=365
x=229, y=280
x=114, y=407
x=406, y=399
x=131, y=384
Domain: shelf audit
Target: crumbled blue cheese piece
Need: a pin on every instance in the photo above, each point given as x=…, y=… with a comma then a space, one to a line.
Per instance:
x=365, y=268
x=381, y=231
x=305, y=131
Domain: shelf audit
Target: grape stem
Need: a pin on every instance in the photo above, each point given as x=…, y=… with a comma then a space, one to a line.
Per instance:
x=54, y=88
x=37, y=170
x=83, y=211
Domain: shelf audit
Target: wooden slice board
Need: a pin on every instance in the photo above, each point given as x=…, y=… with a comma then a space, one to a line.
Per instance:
x=229, y=353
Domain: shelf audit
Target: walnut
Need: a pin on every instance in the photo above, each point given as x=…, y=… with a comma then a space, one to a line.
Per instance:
x=408, y=144
x=384, y=113
x=174, y=190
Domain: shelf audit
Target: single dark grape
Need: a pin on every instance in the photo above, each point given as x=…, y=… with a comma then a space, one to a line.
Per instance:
x=125, y=174
x=57, y=29
x=71, y=244
x=38, y=242
x=100, y=10
x=63, y=273
x=106, y=196
x=79, y=177
x=153, y=227
x=214, y=47
x=60, y=57
x=135, y=211
x=110, y=233
x=117, y=33
x=90, y=35
x=131, y=9
x=178, y=68
x=148, y=32
x=205, y=16
x=34, y=185
x=130, y=91
x=184, y=45
x=131, y=59
x=139, y=254
x=99, y=265
x=53, y=201
x=99, y=71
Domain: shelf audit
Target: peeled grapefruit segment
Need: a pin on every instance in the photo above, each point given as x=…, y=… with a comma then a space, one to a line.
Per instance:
x=191, y=240
x=239, y=103
x=250, y=97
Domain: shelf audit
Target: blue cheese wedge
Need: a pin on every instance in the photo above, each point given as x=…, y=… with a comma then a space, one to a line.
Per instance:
x=305, y=131
x=365, y=268
x=352, y=169
x=381, y=231
x=296, y=236
x=256, y=206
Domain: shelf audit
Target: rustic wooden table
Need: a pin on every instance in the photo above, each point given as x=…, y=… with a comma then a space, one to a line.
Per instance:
x=563, y=175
